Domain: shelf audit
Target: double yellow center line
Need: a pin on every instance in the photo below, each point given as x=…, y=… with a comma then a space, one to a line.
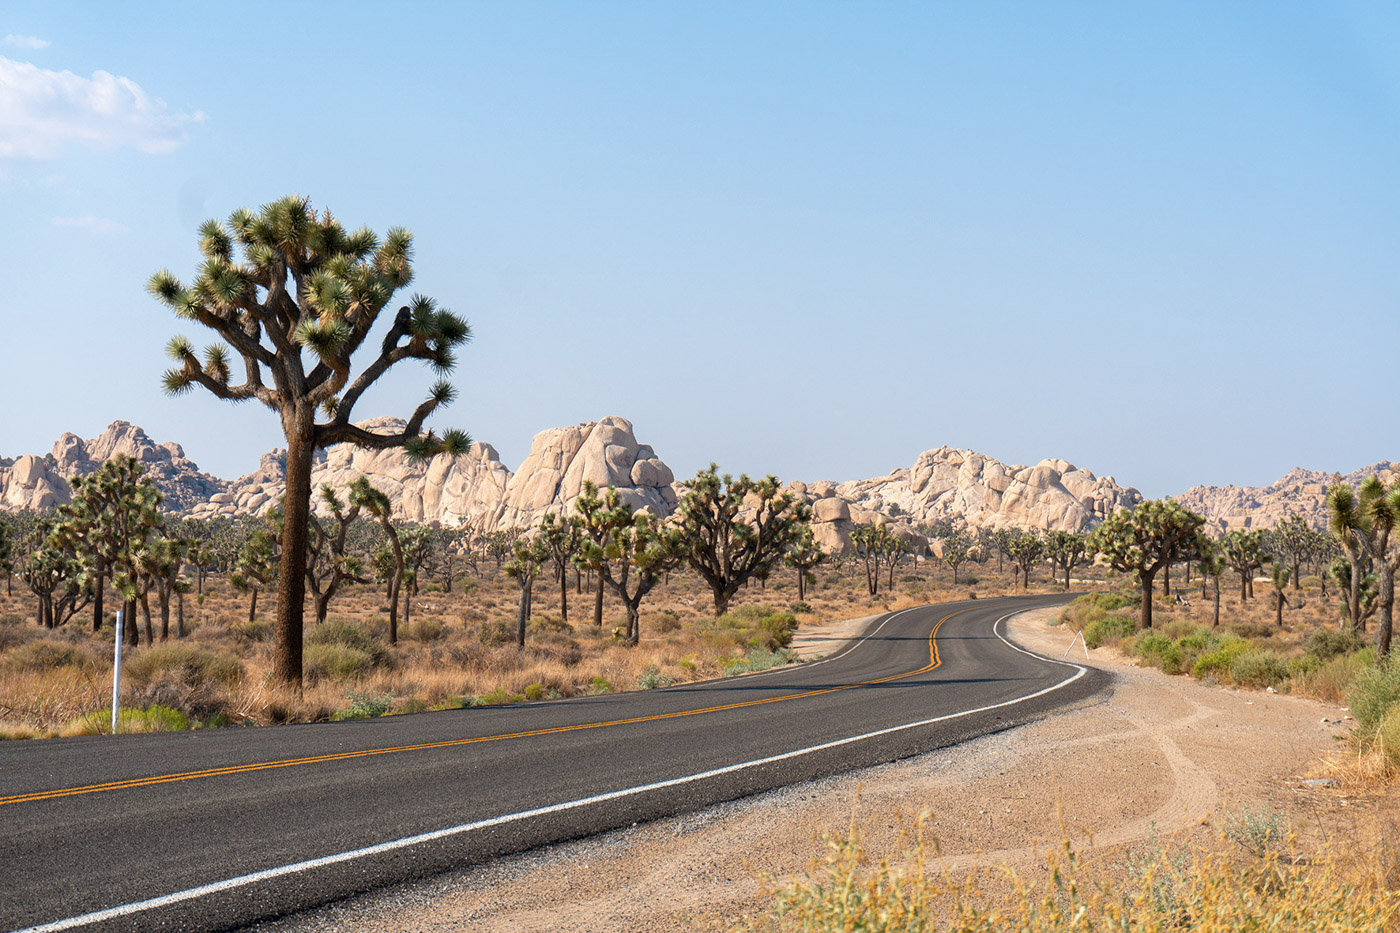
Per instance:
x=934, y=661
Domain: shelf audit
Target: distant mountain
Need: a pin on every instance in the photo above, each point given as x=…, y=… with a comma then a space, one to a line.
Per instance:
x=1297, y=492
x=476, y=489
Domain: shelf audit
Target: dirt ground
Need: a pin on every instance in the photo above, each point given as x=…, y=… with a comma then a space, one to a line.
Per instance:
x=1164, y=756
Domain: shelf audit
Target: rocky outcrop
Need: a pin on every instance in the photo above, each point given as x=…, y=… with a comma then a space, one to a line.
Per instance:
x=475, y=489
x=605, y=453
x=42, y=482
x=1298, y=492
x=950, y=485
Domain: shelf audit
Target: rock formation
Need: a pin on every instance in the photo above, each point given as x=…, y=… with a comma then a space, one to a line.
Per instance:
x=947, y=485
x=1298, y=492
x=42, y=482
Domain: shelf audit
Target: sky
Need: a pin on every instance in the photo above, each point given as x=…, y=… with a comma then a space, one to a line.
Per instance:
x=1160, y=241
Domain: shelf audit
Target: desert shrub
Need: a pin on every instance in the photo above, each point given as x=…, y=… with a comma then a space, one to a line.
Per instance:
x=412, y=705
x=757, y=659
x=365, y=706
x=1328, y=643
x=653, y=679
x=1157, y=650
x=349, y=635
x=534, y=692
x=424, y=629
x=48, y=655
x=496, y=633
x=255, y=631
x=1388, y=738
x=498, y=697
x=335, y=662
x=750, y=627
x=668, y=621
x=9, y=618
x=600, y=685
x=1259, y=669
x=1217, y=661
x=1259, y=832
x=183, y=663
x=153, y=719
x=1332, y=678
x=1374, y=692
x=1107, y=629
x=547, y=624
x=1310, y=582
x=12, y=636
x=1084, y=611
x=800, y=607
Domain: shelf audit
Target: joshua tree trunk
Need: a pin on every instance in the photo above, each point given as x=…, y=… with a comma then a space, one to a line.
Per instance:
x=180, y=615
x=253, y=606
x=133, y=634
x=1279, y=603
x=291, y=581
x=1146, y=579
x=146, y=615
x=97, y=587
x=1385, y=603
x=394, y=610
x=598, y=605
x=1216, y=623
x=801, y=584
x=564, y=593
x=164, y=615
x=522, y=617
x=1167, y=581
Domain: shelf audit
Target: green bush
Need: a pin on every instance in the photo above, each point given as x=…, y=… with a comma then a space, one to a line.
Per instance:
x=1217, y=661
x=750, y=627
x=1259, y=669
x=1159, y=651
x=51, y=655
x=757, y=659
x=1108, y=629
x=255, y=631
x=652, y=679
x=600, y=685
x=1331, y=679
x=534, y=692
x=1374, y=692
x=365, y=706
x=1388, y=737
x=801, y=607
x=498, y=697
x=182, y=664
x=335, y=662
x=496, y=633
x=1327, y=643
x=153, y=719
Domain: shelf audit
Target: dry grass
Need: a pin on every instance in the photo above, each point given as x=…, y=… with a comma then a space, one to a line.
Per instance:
x=1350, y=885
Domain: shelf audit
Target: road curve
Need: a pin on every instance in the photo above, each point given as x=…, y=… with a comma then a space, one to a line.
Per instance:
x=213, y=830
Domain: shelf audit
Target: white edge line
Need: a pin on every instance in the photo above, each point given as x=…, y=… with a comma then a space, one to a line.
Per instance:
x=124, y=910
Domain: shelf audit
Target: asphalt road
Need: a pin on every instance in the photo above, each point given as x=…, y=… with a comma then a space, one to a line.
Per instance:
x=213, y=830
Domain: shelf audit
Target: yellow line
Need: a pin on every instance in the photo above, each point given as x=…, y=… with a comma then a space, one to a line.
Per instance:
x=934, y=661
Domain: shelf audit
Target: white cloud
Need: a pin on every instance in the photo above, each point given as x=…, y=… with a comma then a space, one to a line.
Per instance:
x=27, y=42
x=98, y=225
x=41, y=111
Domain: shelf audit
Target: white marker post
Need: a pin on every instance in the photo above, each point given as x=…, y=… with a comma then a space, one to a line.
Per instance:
x=117, y=672
x=1078, y=637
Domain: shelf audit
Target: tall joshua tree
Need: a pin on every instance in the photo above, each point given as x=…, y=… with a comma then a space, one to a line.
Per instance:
x=295, y=295
x=1143, y=540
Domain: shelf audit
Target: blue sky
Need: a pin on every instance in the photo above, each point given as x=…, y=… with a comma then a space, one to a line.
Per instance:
x=1158, y=240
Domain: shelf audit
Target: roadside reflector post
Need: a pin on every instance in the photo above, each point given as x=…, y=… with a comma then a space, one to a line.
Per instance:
x=117, y=672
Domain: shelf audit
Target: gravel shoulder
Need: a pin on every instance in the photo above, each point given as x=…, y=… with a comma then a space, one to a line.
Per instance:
x=1165, y=755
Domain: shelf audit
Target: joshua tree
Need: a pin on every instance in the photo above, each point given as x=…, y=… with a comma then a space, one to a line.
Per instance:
x=1212, y=566
x=629, y=550
x=1344, y=521
x=733, y=530
x=1279, y=576
x=51, y=571
x=1143, y=539
x=1244, y=551
x=956, y=546
x=869, y=542
x=328, y=562
x=1293, y=541
x=1372, y=521
x=258, y=562
x=377, y=504
x=523, y=567
x=296, y=296
x=7, y=552
x=1065, y=551
x=1025, y=548
x=561, y=537
x=114, y=514
x=804, y=556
